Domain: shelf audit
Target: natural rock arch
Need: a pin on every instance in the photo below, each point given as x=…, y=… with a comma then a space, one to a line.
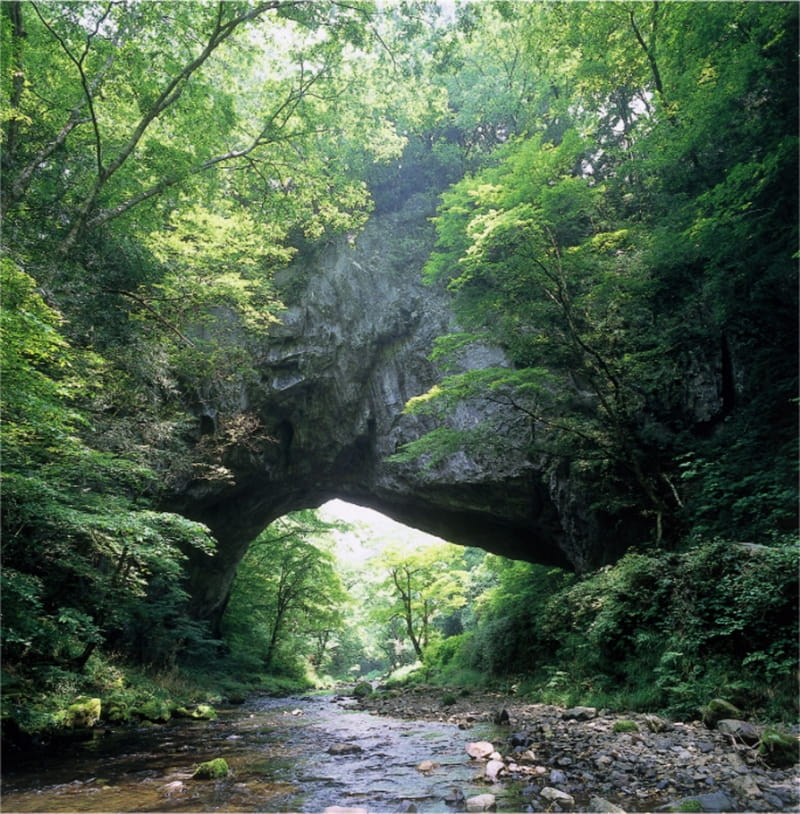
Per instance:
x=327, y=413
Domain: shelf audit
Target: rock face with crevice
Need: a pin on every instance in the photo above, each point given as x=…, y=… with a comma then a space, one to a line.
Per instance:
x=325, y=413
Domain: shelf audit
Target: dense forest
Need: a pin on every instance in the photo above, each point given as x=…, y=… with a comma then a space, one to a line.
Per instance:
x=617, y=210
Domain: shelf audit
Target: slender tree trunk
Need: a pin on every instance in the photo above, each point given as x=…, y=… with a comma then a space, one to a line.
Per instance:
x=18, y=34
x=405, y=596
x=273, y=641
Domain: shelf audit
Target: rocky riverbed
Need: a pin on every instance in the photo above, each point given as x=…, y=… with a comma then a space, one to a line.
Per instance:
x=585, y=759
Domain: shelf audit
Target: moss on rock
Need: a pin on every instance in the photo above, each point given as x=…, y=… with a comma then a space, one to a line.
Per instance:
x=117, y=712
x=84, y=711
x=202, y=712
x=156, y=710
x=689, y=805
x=779, y=749
x=717, y=709
x=212, y=770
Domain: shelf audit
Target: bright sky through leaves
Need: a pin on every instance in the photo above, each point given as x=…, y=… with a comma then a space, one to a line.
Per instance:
x=373, y=531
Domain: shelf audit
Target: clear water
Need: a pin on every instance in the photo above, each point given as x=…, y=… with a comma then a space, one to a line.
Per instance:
x=277, y=750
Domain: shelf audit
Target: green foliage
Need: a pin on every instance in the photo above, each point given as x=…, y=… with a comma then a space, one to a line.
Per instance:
x=218, y=95
x=81, y=547
x=700, y=622
x=617, y=242
x=422, y=586
x=505, y=642
x=622, y=221
x=657, y=631
x=118, y=692
x=726, y=494
x=286, y=607
x=537, y=266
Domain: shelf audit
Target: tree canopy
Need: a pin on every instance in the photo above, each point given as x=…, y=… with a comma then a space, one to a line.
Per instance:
x=617, y=187
x=605, y=254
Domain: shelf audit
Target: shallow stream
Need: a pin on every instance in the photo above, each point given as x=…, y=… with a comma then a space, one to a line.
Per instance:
x=277, y=750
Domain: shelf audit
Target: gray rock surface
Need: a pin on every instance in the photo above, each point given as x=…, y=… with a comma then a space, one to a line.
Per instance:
x=324, y=413
x=317, y=412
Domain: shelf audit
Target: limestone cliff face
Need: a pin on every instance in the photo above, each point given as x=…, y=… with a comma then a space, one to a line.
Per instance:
x=325, y=413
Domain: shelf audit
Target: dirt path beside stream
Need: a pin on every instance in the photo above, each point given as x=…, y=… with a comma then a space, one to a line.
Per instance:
x=584, y=759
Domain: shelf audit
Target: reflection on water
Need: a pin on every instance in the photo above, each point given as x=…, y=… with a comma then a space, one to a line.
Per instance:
x=278, y=753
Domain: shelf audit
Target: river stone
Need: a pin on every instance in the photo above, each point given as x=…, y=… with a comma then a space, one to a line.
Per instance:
x=736, y=762
x=480, y=749
x=427, y=766
x=173, y=788
x=493, y=769
x=602, y=805
x=746, y=785
x=717, y=709
x=556, y=796
x=454, y=797
x=579, y=714
x=786, y=792
x=501, y=717
x=345, y=810
x=775, y=803
x=344, y=749
x=482, y=802
x=655, y=723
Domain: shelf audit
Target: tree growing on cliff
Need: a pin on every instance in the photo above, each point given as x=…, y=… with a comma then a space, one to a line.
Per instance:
x=607, y=256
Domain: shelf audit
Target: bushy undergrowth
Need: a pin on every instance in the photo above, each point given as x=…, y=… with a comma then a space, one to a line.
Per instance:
x=657, y=631
x=127, y=693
